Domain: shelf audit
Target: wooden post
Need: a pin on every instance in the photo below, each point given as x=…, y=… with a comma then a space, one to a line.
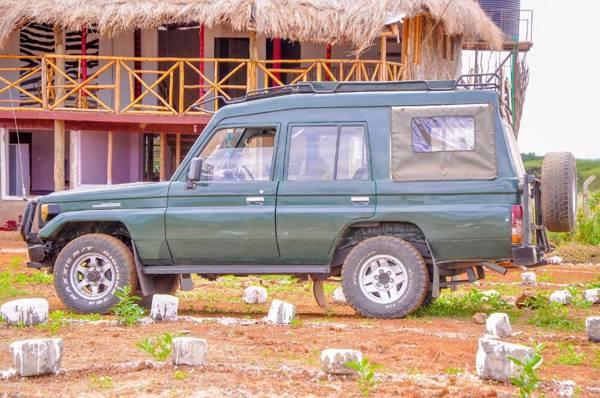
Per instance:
x=163, y=157
x=73, y=159
x=383, y=72
x=201, y=63
x=252, y=78
x=177, y=149
x=109, y=159
x=59, y=125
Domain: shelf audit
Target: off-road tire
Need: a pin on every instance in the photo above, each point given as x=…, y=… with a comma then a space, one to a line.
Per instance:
x=117, y=253
x=417, y=277
x=164, y=284
x=559, y=191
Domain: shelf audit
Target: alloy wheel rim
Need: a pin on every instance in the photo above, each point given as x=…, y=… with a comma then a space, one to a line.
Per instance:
x=93, y=276
x=383, y=279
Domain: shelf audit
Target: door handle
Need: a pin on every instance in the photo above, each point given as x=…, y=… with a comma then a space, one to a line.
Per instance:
x=255, y=200
x=360, y=200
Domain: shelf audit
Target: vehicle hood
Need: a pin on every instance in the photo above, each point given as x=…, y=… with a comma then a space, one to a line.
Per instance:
x=133, y=195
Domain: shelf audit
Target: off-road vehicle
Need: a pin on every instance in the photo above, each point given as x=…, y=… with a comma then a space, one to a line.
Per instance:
x=400, y=188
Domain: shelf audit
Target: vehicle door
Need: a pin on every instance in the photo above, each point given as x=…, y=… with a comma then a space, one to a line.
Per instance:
x=229, y=215
x=327, y=185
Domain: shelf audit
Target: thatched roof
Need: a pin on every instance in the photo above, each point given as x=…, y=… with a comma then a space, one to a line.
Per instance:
x=358, y=22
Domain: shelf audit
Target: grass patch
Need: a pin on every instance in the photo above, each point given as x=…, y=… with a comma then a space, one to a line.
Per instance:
x=13, y=283
x=101, y=382
x=58, y=319
x=454, y=305
x=568, y=355
x=596, y=359
x=551, y=315
x=180, y=375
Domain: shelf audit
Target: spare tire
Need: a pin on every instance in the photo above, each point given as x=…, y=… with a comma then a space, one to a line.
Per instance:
x=559, y=191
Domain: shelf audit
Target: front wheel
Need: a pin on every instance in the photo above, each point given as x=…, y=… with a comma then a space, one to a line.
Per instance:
x=89, y=270
x=385, y=277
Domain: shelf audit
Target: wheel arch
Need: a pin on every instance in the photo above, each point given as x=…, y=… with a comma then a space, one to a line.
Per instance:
x=356, y=232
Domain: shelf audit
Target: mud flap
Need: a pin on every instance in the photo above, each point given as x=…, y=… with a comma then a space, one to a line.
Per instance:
x=319, y=293
x=146, y=282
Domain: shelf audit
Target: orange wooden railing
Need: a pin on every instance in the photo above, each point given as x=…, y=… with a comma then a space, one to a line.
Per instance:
x=171, y=86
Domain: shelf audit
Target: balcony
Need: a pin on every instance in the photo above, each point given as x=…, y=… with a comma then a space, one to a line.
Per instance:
x=161, y=86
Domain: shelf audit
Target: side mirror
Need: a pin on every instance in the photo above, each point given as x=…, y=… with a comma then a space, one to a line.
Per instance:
x=195, y=172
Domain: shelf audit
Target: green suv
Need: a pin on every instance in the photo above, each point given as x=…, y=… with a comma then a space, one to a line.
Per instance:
x=400, y=188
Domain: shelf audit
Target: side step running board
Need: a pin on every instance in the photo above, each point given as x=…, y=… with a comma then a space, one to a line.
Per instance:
x=235, y=269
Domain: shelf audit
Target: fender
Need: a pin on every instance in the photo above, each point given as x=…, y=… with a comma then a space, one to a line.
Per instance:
x=146, y=227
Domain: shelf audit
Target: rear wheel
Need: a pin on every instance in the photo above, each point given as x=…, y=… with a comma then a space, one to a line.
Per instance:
x=385, y=277
x=89, y=270
x=559, y=191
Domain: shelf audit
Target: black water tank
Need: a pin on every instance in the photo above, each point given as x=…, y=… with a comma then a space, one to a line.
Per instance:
x=505, y=13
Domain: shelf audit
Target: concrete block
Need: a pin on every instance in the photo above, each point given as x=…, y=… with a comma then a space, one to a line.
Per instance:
x=189, y=351
x=37, y=356
x=333, y=361
x=30, y=311
x=255, y=295
x=164, y=307
x=338, y=296
x=498, y=325
x=561, y=296
x=492, y=359
x=592, y=325
x=592, y=295
x=528, y=278
x=281, y=312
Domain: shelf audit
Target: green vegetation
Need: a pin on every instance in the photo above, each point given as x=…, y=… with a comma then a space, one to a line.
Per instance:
x=596, y=359
x=57, y=319
x=180, y=375
x=366, y=375
x=568, y=355
x=158, y=347
x=453, y=371
x=585, y=168
x=297, y=323
x=13, y=282
x=551, y=315
x=101, y=382
x=450, y=304
x=127, y=310
x=528, y=380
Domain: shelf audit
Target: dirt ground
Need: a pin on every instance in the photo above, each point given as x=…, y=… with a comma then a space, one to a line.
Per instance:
x=423, y=356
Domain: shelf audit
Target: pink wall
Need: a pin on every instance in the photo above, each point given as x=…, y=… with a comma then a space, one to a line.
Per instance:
x=127, y=162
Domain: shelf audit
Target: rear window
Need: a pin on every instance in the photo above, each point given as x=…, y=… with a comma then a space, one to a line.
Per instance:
x=443, y=133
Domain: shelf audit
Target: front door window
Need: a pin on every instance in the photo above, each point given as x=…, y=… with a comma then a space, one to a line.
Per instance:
x=239, y=154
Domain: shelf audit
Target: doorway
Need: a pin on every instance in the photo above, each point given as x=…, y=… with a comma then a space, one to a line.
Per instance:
x=239, y=48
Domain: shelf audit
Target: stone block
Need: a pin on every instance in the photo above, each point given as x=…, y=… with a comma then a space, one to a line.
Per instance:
x=333, y=361
x=492, y=359
x=528, y=278
x=498, y=325
x=37, y=356
x=29, y=311
x=164, y=307
x=561, y=297
x=592, y=325
x=255, y=295
x=189, y=351
x=281, y=312
x=338, y=296
x=592, y=295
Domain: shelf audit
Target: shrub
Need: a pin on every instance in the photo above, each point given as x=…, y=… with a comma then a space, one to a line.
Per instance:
x=158, y=347
x=528, y=380
x=126, y=309
x=569, y=356
x=551, y=315
x=465, y=305
x=366, y=375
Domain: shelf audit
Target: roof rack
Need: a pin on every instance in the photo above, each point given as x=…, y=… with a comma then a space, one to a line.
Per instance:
x=486, y=81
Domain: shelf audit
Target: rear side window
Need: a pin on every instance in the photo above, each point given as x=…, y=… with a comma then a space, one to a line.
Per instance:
x=327, y=153
x=443, y=133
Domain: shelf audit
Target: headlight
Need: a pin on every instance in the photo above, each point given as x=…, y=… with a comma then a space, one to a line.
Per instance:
x=47, y=211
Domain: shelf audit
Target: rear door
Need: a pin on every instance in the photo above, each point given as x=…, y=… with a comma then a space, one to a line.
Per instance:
x=327, y=185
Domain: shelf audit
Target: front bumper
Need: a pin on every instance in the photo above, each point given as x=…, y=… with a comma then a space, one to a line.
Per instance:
x=35, y=248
